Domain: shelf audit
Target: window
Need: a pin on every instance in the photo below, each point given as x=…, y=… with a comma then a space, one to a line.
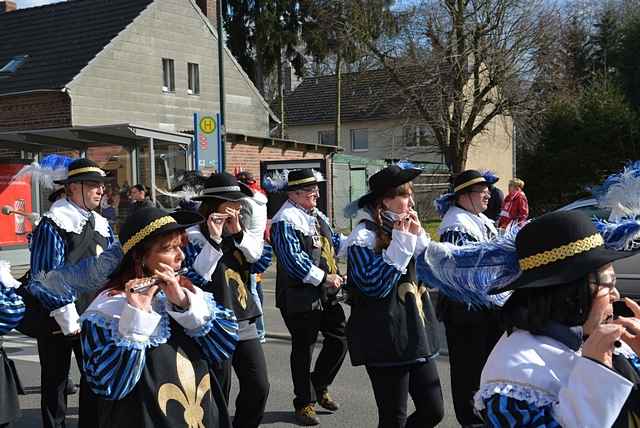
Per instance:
x=327, y=138
x=416, y=135
x=359, y=140
x=193, y=73
x=168, y=76
x=13, y=65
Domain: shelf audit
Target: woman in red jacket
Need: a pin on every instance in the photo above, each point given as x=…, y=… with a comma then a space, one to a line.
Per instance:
x=515, y=207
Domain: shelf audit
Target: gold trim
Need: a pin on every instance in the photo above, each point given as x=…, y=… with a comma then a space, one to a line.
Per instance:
x=562, y=252
x=469, y=183
x=146, y=231
x=87, y=169
x=302, y=181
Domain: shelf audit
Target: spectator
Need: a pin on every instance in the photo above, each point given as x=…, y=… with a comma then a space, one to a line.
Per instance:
x=515, y=207
x=139, y=198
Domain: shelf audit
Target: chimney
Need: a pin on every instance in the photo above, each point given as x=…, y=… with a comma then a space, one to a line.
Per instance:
x=7, y=6
x=208, y=7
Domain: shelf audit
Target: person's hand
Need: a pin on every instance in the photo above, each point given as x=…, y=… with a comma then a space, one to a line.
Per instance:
x=631, y=335
x=215, y=224
x=233, y=220
x=415, y=227
x=599, y=345
x=402, y=224
x=333, y=281
x=171, y=286
x=143, y=300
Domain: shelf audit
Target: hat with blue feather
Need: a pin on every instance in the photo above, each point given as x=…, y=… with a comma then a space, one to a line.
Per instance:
x=462, y=183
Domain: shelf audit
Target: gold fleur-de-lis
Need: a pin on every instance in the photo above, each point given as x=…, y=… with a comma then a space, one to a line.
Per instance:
x=186, y=394
x=411, y=288
x=243, y=294
x=328, y=254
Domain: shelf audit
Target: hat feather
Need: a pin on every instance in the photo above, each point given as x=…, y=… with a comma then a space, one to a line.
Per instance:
x=468, y=273
x=622, y=236
x=47, y=170
x=621, y=193
x=490, y=176
x=276, y=182
x=443, y=203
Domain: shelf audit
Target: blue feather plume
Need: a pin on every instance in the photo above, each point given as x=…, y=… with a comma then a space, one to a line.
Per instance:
x=621, y=193
x=443, y=203
x=490, y=176
x=406, y=164
x=468, y=273
x=47, y=170
x=622, y=236
x=275, y=182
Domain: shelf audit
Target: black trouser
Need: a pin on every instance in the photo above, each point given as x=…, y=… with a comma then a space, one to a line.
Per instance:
x=304, y=328
x=251, y=368
x=471, y=336
x=223, y=374
x=55, y=361
x=392, y=385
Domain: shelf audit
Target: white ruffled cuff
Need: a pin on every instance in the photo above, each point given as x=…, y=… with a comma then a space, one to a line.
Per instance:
x=401, y=249
x=67, y=318
x=422, y=243
x=137, y=325
x=315, y=276
x=196, y=315
x=207, y=261
x=251, y=246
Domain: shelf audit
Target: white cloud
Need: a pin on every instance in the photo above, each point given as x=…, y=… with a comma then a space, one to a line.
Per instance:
x=23, y=4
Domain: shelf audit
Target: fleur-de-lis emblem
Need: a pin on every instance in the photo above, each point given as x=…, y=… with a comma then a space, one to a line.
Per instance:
x=243, y=294
x=411, y=288
x=186, y=394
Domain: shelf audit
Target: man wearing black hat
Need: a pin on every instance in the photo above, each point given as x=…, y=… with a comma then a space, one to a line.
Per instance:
x=307, y=281
x=471, y=333
x=70, y=231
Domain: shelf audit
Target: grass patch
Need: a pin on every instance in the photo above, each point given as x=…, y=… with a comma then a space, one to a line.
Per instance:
x=431, y=226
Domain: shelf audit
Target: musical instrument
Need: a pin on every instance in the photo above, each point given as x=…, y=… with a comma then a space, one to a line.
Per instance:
x=154, y=280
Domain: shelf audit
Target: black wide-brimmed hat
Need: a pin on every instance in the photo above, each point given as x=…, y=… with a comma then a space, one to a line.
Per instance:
x=300, y=178
x=222, y=185
x=558, y=248
x=466, y=179
x=148, y=222
x=386, y=179
x=83, y=169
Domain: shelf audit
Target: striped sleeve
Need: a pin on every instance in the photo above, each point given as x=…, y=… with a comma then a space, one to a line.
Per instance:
x=191, y=251
x=11, y=309
x=219, y=336
x=288, y=250
x=369, y=271
x=112, y=371
x=47, y=253
x=264, y=261
x=503, y=412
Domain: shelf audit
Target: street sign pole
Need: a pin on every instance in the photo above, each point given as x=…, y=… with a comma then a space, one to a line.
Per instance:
x=222, y=129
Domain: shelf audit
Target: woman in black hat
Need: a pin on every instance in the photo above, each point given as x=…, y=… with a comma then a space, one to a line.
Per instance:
x=562, y=361
x=390, y=329
x=149, y=352
x=222, y=257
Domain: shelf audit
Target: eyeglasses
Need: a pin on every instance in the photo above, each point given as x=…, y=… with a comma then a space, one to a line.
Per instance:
x=308, y=190
x=482, y=192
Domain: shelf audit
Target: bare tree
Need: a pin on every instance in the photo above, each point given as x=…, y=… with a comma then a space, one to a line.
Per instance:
x=458, y=63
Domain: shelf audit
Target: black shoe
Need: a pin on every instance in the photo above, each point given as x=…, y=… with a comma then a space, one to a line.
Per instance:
x=326, y=401
x=306, y=416
x=71, y=388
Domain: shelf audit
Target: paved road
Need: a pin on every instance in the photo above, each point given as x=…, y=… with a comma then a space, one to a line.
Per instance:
x=352, y=388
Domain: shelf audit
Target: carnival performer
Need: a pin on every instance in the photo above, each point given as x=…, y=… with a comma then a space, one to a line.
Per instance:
x=70, y=231
x=471, y=331
x=306, y=286
x=543, y=372
x=391, y=326
x=151, y=338
x=11, y=312
x=229, y=256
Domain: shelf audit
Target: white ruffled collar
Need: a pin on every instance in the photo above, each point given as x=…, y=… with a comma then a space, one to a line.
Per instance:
x=70, y=218
x=297, y=217
x=461, y=220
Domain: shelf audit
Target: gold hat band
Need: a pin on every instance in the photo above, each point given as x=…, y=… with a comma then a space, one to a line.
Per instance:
x=469, y=183
x=86, y=169
x=302, y=181
x=562, y=252
x=146, y=231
